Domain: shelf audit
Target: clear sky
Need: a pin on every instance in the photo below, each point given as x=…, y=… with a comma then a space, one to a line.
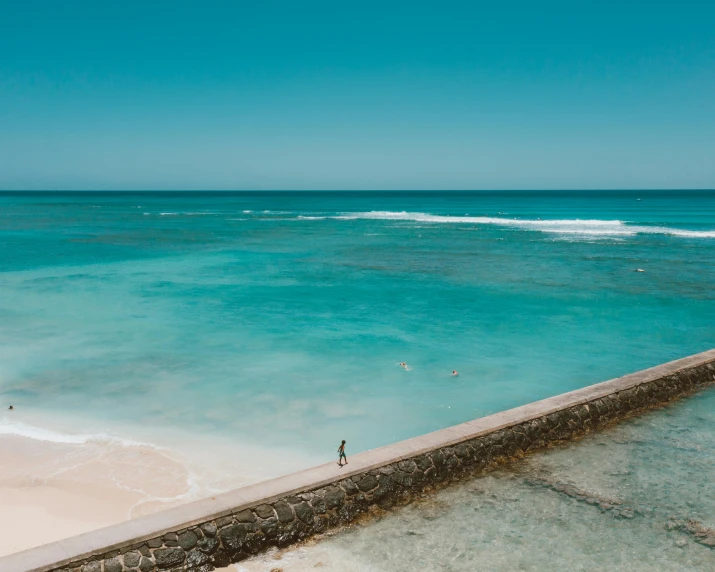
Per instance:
x=152, y=94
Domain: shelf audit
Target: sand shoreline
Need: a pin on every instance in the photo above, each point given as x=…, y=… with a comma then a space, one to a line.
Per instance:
x=57, y=485
x=50, y=491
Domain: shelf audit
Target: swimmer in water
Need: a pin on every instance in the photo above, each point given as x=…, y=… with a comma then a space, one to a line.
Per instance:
x=11, y=408
x=403, y=364
x=455, y=373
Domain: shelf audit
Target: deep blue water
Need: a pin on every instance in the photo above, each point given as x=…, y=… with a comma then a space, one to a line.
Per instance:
x=280, y=318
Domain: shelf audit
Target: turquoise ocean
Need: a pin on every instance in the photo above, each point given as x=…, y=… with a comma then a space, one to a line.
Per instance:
x=272, y=323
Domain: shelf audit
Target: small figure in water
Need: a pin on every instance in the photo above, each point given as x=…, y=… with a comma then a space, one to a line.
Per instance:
x=341, y=454
x=403, y=365
x=455, y=373
x=11, y=408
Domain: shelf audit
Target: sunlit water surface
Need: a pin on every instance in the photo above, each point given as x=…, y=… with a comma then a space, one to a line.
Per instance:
x=252, y=332
x=614, y=501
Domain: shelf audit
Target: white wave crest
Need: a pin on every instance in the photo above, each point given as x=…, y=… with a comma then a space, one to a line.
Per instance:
x=591, y=227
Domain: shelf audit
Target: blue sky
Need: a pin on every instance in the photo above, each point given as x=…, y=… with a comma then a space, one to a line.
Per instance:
x=363, y=95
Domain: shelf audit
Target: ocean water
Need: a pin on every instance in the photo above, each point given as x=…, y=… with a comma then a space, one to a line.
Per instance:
x=270, y=325
x=616, y=500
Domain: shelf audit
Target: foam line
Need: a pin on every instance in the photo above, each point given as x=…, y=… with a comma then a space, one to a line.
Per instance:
x=591, y=227
x=20, y=429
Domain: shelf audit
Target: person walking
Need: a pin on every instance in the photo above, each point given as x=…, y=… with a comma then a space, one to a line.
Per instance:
x=341, y=454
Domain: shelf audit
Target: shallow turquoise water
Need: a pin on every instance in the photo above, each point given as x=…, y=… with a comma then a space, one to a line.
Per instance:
x=614, y=501
x=279, y=318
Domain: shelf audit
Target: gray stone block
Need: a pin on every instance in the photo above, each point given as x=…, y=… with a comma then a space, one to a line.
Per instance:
x=196, y=558
x=264, y=511
x=131, y=559
x=232, y=536
x=168, y=557
x=245, y=516
x=187, y=540
x=367, y=484
x=318, y=505
x=113, y=565
x=207, y=545
x=334, y=497
x=304, y=512
x=284, y=512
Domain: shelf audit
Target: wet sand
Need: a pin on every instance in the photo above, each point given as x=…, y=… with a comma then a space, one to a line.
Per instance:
x=50, y=491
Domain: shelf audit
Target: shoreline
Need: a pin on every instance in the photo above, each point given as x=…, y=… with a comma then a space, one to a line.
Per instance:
x=50, y=491
x=55, y=485
x=227, y=528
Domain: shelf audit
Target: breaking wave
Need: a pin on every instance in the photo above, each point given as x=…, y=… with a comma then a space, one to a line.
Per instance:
x=590, y=227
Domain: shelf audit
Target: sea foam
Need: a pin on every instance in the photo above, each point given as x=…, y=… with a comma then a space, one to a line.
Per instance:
x=19, y=429
x=590, y=227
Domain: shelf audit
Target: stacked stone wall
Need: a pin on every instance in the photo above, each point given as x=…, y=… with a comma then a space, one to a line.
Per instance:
x=293, y=518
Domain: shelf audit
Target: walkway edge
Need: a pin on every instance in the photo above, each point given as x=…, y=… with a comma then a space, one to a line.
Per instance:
x=229, y=527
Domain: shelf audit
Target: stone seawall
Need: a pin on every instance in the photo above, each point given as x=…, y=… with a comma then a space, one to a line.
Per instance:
x=200, y=536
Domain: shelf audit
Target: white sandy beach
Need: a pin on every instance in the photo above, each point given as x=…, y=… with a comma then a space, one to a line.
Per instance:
x=56, y=485
x=50, y=491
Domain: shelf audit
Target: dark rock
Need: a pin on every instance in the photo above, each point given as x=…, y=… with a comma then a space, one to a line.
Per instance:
x=463, y=451
x=92, y=567
x=155, y=543
x=209, y=529
x=221, y=559
x=270, y=527
x=197, y=531
x=304, y=512
x=245, y=516
x=188, y=540
x=402, y=479
x=334, y=497
x=264, y=511
x=196, y=558
x=318, y=505
x=131, y=559
x=284, y=512
x=232, y=536
x=418, y=479
x=321, y=524
x=437, y=458
x=423, y=462
x=168, y=557
x=349, y=487
x=109, y=555
x=113, y=565
x=171, y=536
x=407, y=466
x=146, y=565
x=224, y=521
x=144, y=550
x=367, y=484
x=207, y=545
